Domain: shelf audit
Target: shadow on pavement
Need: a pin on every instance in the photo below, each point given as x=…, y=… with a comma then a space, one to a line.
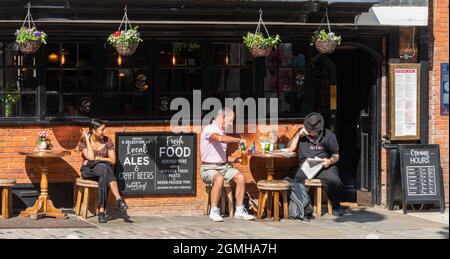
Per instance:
x=360, y=216
x=444, y=232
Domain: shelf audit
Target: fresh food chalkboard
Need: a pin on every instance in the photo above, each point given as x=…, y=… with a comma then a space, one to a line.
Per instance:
x=156, y=163
x=421, y=175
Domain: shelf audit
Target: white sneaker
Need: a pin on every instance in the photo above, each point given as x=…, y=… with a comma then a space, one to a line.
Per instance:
x=214, y=215
x=241, y=213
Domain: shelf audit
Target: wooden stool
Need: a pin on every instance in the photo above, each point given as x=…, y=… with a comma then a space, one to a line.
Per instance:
x=317, y=184
x=83, y=190
x=5, y=187
x=227, y=197
x=274, y=188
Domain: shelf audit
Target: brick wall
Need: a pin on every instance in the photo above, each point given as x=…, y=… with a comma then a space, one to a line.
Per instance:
x=439, y=134
x=12, y=165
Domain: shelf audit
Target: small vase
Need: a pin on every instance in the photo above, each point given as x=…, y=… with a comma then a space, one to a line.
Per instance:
x=42, y=145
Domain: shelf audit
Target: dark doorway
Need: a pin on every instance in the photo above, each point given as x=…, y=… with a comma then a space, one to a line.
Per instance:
x=349, y=81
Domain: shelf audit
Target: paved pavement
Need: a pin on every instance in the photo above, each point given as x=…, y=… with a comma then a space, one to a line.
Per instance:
x=360, y=223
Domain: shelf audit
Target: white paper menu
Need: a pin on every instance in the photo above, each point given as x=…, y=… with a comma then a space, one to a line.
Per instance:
x=406, y=102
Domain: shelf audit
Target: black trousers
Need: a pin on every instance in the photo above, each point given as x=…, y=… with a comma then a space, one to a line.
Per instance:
x=104, y=174
x=330, y=180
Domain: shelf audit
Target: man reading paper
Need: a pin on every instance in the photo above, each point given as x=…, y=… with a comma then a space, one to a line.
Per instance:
x=312, y=141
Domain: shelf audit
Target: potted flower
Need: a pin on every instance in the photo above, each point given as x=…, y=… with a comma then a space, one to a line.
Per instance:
x=125, y=41
x=10, y=100
x=28, y=37
x=43, y=142
x=260, y=45
x=325, y=42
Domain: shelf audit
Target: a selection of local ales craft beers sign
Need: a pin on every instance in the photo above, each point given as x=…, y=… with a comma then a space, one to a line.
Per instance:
x=156, y=163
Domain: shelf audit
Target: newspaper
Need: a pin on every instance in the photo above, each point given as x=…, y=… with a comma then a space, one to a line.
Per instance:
x=282, y=152
x=311, y=167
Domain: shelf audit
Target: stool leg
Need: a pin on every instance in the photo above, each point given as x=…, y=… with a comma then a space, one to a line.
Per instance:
x=223, y=208
x=97, y=207
x=207, y=200
x=276, y=205
x=330, y=206
x=4, y=203
x=263, y=202
x=78, y=202
x=319, y=201
x=260, y=205
x=285, y=204
x=269, y=204
x=85, y=202
x=9, y=203
x=229, y=192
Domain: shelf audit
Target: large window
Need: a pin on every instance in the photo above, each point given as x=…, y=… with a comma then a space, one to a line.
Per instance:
x=286, y=78
x=69, y=80
x=85, y=79
x=18, y=82
x=178, y=73
x=126, y=82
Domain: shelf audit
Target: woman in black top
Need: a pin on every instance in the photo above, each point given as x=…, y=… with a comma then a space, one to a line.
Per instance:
x=99, y=158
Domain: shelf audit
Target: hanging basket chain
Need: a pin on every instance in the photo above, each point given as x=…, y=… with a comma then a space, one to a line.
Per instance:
x=261, y=22
x=125, y=21
x=28, y=18
x=325, y=16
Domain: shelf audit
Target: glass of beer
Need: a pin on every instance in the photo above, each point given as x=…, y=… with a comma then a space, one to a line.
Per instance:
x=244, y=156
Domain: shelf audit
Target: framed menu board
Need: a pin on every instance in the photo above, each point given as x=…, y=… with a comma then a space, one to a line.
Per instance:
x=404, y=101
x=156, y=163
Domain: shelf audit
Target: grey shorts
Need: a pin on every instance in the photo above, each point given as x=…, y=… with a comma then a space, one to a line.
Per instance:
x=207, y=172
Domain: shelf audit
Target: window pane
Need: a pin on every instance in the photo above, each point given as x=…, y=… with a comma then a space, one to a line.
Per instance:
x=1, y=53
x=85, y=55
x=300, y=51
x=29, y=80
x=11, y=103
x=70, y=106
x=53, y=55
x=52, y=106
x=179, y=54
x=226, y=54
x=68, y=55
x=131, y=106
x=85, y=81
x=232, y=80
x=179, y=80
x=285, y=79
x=53, y=80
x=127, y=80
x=69, y=83
x=28, y=105
x=1, y=80
x=271, y=80
x=12, y=80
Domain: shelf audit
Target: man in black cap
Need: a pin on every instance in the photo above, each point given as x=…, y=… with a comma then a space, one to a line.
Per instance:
x=311, y=141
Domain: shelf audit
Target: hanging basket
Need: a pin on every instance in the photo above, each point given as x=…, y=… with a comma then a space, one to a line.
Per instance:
x=326, y=46
x=254, y=47
x=125, y=46
x=28, y=37
x=30, y=47
x=126, y=50
x=259, y=52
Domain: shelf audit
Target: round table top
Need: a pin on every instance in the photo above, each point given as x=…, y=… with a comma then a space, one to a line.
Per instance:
x=264, y=155
x=45, y=153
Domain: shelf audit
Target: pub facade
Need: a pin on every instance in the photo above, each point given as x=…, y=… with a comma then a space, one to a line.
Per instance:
x=197, y=45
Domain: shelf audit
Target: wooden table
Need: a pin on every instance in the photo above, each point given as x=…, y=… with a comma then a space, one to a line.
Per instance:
x=44, y=206
x=270, y=162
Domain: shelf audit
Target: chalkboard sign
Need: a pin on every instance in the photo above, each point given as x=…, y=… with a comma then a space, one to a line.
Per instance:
x=156, y=163
x=421, y=175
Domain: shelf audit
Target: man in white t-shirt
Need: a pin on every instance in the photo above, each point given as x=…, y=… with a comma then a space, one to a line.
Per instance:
x=215, y=168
